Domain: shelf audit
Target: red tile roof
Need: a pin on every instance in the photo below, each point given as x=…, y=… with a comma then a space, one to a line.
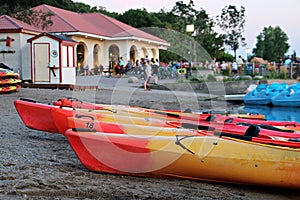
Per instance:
x=92, y=23
x=8, y=23
x=114, y=28
x=67, y=21
x=60, y=38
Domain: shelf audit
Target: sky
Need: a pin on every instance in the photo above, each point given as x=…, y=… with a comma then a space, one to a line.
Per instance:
x=259, y=14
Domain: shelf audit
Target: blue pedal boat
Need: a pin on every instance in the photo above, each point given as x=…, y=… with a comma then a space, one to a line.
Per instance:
x=263, y=93
x=289, y=97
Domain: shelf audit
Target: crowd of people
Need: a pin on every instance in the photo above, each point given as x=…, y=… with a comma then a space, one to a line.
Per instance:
x=147, y=68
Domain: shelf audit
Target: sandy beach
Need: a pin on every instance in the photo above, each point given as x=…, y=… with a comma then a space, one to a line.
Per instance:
x=41, y=165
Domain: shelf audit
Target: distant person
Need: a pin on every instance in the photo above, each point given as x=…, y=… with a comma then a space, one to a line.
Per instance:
x=234, y=68
x=240, y=63
x=214, y=65
x=155, y=66
x=148, y=71
x=129, y=66
x=279, y=63
x=224, y=66
x=122, y=67
x=287, y=62
x=147, y=59
x=87, y=69
x=137, y=67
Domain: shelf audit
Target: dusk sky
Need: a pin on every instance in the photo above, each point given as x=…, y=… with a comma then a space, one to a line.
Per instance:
x=259, y=14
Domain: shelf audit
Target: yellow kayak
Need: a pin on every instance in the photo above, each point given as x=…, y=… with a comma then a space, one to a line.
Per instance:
x=189, y=157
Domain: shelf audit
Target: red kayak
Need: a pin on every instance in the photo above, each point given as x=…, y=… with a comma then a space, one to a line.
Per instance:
x=53, y=119
x=36, y=115
x=9, y=88
x=5, y=73
x=239, y=128
x=75, y=103
x=229, y=119
x=105, y=122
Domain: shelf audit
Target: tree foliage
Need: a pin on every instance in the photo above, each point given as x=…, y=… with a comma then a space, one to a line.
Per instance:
x=139, y=18
x=207, y=37
x=20, y=9
x=204, y=34
x=38, y=19
x=271, y=43
x=232, y=22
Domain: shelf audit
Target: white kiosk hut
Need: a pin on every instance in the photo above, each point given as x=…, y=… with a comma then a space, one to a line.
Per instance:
x=53, y=59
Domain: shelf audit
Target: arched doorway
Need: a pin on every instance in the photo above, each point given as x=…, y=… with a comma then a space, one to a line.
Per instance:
x=133, y=54
x=114, y=54
x=81, y=57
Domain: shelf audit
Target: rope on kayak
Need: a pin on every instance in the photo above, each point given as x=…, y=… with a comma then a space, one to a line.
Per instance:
x=181, y=145
x=84, y=116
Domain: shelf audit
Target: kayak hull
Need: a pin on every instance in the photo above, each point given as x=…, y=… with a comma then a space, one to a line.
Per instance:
x=197, y=158
x=35, y=115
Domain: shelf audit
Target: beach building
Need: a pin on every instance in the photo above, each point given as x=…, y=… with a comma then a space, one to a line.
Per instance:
x=73, y=42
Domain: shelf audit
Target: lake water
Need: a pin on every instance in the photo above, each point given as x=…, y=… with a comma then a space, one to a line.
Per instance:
x=275, y=113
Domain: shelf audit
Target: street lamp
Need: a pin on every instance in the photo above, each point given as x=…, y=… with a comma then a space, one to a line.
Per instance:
x=248, y=52
x=190, y=29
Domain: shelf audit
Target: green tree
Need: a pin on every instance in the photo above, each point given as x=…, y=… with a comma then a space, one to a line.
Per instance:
x=271, y=43
x=227, y=57
x=38, y=19
x=20, y=9
x=185, y=14
x=9, y=7
x=103, y=10
x=139, y=18
x=232, y=22
x=205, y=35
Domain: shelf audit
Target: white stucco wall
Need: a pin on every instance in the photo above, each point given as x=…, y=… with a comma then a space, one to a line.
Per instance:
x=124, y=48
x=89, y=50
x=54, y=45
x=53, y=61
x=65, y=66
x=20, y=60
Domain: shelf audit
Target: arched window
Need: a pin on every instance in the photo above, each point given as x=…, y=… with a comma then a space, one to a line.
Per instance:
x=96, y=55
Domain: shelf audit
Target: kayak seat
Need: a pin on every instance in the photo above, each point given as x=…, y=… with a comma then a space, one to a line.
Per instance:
x=188, y=110
x=228, y=120
x=252, y=131
x=210, y=118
